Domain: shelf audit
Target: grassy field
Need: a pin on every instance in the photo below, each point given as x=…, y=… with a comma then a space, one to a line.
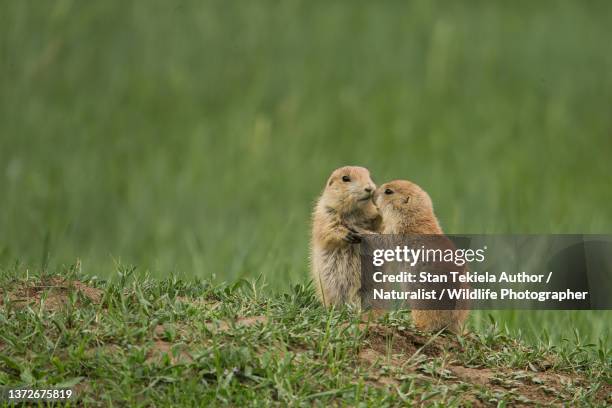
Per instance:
x=143, y=342
x=193, y=137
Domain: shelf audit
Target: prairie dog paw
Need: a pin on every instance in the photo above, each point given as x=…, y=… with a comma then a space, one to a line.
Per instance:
x=352, y=236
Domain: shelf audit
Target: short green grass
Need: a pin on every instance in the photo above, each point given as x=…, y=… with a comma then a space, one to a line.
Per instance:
x=139, y=341
x=193, y=137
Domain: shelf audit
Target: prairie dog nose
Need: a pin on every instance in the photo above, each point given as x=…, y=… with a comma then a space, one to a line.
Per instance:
x=368, y=189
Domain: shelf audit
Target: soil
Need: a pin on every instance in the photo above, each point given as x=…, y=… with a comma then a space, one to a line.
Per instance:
x=52, y=293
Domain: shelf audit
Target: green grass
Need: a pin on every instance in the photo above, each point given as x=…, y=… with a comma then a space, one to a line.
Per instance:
x=193, y=138
x=137, y=341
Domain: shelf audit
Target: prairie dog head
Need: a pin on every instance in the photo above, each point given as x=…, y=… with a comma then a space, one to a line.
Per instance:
x=401, y=201
x=348, y=189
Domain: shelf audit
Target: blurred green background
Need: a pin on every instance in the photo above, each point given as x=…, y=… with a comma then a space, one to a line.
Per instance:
x=193, y=137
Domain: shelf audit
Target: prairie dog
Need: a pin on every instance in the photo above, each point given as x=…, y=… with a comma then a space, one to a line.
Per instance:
x=407, y=209
x=343, y=212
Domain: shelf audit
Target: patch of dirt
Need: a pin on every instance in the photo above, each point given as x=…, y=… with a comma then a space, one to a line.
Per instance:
x=371, y=357
x=387, y=340
x=103, y=349
x=207, y=303
x=57, y=290
x=395, y=348
x=82, y=388
x=398, y=349
x=478, y=376
x=179, y=329
x=160, y=348
x=249, y=321
x=548, y=388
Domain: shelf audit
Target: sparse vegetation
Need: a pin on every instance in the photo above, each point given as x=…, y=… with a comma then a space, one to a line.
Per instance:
x=137, y=341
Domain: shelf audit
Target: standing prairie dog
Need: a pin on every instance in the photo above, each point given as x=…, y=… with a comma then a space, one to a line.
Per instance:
x=407, y=209
x=343, y=212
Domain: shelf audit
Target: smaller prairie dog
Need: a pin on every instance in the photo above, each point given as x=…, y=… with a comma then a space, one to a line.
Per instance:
x=343, y=212
x=407, y=209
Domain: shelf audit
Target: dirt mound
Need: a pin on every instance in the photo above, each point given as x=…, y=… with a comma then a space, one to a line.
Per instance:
x=387, y=340
x=54, y=292
x=407, y=352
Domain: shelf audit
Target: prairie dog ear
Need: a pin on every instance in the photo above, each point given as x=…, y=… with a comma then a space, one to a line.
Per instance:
x=330, y=182
x=407, y=200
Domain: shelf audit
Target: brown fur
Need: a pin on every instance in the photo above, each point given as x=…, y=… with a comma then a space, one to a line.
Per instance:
x=343, y=212
x=409, y=210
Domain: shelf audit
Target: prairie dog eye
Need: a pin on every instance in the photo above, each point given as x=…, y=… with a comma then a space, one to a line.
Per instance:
x=346, y=179
x=388, y=191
